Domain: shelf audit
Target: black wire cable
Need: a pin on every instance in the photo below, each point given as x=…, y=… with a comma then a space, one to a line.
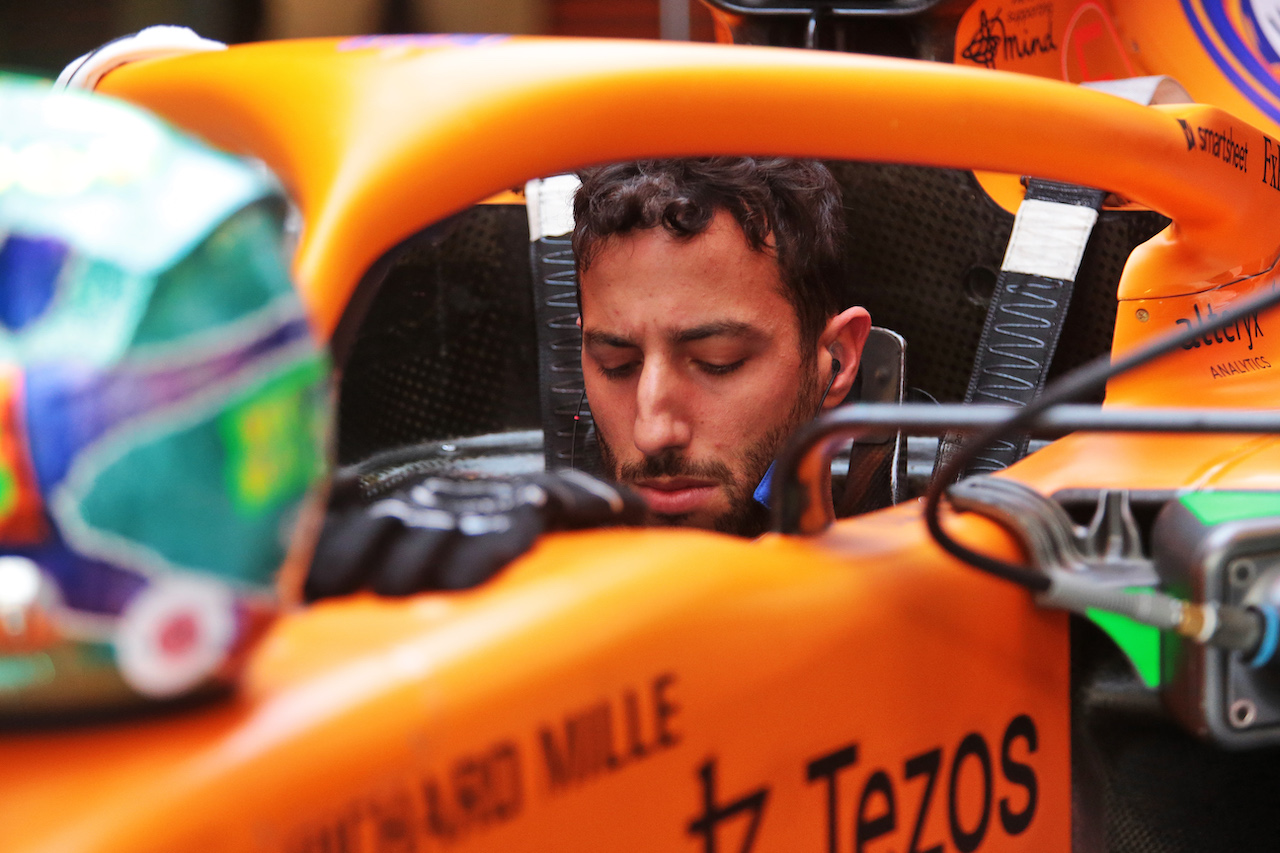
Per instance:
x=1087, y=377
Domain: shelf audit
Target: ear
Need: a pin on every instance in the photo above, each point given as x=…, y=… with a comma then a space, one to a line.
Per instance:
x=842, y=338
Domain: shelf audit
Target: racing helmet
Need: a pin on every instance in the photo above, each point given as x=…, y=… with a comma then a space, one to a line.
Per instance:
x=163, y=406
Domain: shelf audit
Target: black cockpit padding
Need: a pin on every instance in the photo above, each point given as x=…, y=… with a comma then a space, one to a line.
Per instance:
x=926, y=247
x=447, y=348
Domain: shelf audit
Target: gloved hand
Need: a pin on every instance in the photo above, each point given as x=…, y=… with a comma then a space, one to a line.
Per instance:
x=442, y=532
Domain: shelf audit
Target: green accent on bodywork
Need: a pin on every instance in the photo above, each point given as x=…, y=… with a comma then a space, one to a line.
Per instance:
x=1217, y=507
x=1141, y=643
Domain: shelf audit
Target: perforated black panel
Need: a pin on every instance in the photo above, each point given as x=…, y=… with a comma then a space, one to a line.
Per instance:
x=447, y=348
x=926, y=247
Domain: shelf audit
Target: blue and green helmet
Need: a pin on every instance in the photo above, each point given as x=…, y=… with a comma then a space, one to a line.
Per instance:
x=163, y=405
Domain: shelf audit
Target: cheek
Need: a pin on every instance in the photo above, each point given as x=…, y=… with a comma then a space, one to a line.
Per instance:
x=726, y=428
x=766, y=400
x=612, y=407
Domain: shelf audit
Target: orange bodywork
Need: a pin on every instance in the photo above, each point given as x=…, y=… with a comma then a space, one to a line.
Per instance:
x=653, y=689
x=574, y=702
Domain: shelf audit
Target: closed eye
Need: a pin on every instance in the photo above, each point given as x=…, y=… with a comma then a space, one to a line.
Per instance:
x=714, y=369
x=621, y=371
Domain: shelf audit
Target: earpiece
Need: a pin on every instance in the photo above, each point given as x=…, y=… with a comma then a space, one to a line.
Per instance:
x=835, y=371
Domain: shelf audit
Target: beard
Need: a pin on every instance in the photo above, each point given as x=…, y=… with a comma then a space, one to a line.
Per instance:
x=745, y=515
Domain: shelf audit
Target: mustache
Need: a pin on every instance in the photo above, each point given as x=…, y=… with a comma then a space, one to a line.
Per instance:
x=672, y=463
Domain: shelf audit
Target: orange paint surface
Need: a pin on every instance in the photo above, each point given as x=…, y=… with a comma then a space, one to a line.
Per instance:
x=573, y=701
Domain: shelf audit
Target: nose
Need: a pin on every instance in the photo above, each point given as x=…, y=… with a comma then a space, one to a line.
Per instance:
x=662, y=420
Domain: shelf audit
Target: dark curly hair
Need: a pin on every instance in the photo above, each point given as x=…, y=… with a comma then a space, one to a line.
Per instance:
x=789, y=207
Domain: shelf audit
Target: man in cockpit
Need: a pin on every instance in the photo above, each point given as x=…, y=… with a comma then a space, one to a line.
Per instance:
x=711, y=325
x=711, y=330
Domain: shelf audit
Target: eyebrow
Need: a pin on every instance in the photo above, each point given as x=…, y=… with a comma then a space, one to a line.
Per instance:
x=595, y=338
x=721, y=328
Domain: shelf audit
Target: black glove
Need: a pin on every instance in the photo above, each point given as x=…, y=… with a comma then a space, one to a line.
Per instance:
x=442, y=532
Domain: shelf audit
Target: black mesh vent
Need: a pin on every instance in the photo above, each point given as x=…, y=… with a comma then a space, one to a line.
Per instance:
x=447, y=348
x=927, y=245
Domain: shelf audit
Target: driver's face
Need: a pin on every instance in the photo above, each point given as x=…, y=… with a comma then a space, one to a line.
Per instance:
x=692, y=361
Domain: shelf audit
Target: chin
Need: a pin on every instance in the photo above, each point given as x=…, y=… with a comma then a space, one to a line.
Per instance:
x=749, y=520
x=695, y=520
